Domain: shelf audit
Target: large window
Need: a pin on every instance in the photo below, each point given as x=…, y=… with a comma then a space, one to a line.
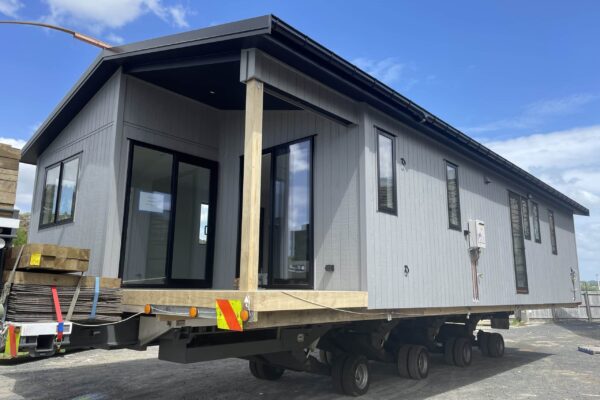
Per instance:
x=552, y=231
x=526, y=224
x=286, y=216
x=453, y=196
x=170, y=219
x=516, y=222
x=386, y=173
x=537, y=235
x=60, y=188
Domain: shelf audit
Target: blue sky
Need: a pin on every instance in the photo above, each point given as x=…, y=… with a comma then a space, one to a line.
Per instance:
x=522, y=77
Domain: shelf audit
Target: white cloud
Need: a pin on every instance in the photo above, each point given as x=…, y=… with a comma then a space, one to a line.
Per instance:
x=114, y=38
x=569, y=161
x=534, y=114
x=99, y=16
x=10, y=8
x=26, y=178
x=389, y=70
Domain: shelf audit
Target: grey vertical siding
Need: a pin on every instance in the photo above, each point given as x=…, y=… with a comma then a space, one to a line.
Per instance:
x=440, y=272
x=369, y=249
x=336, y=193
x=91, y=133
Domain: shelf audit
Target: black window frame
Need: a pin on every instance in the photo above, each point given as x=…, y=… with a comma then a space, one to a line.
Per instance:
x=55, y=221
x=526, y=222
x=520, y=289
x=309, y=283
x=552, y=228
x=450, y=224
x=380, y=208
x=536, y=222
x=171, y=283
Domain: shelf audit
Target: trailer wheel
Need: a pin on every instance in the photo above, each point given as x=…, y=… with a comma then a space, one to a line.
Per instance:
x=355, y=375
x=337, y=370
x=449, y=351
x=402, y=361
x=482, y=342
x=418, y=362
x=463, y=352
x=265, y=371
x=496, y=345
x=326, y=357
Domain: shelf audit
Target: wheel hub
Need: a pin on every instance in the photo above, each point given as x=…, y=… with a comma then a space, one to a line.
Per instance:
x=361, y=376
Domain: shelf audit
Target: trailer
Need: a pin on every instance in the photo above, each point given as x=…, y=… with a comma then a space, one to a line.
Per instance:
x=261, y=197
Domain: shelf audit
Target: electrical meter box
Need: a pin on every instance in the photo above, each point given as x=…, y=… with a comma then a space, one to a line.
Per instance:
x=476, y=234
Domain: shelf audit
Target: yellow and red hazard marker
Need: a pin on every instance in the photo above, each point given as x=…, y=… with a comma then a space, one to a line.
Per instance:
x=13, y=338
x=229, y=315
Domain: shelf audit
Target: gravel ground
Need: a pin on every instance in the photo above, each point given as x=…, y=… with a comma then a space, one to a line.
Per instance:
x=541, y=361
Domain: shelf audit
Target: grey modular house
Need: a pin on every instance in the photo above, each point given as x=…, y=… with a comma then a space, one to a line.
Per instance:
x=360, y=188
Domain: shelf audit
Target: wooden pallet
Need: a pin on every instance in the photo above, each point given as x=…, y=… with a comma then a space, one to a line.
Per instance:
x=30, y=297
x=49, y=257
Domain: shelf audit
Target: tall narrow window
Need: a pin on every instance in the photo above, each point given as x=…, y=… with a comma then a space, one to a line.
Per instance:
x=526, y=224
x=552, y=231
x=58, y=200
x=537, y=235
x=516, y=222
x=453, y=196
x=386, y=173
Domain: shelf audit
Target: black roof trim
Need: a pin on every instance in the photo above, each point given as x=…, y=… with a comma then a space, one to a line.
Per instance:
x=381, y=95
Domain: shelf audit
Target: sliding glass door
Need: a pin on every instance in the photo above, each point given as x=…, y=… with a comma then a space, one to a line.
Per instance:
x=170, y=215
x=286, y=216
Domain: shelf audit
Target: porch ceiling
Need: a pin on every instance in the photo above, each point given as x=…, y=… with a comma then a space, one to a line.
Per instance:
x=217, y=85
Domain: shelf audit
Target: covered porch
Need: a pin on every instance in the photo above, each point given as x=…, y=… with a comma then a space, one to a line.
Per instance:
x=272, y=229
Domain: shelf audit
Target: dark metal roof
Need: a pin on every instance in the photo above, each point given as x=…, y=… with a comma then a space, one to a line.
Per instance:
x=275, y=37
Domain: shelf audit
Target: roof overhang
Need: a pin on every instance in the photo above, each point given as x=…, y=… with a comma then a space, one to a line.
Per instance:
x=275, y=37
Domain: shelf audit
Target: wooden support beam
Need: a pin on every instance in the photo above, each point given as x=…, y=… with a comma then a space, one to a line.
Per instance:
x=251, y=189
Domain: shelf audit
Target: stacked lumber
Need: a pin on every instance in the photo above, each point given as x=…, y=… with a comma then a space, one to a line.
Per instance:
x=9, y=171
x=30, y=298
x=49, y=257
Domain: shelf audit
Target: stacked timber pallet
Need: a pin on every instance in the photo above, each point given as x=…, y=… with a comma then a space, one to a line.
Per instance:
x=44, y=266
x=9, y=171
x=50, y=257
x=30, y=298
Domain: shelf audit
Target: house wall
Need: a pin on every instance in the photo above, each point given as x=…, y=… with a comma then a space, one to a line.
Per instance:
x=162, y=118
x=336, y=193
x=92, y=133
x=437, y=257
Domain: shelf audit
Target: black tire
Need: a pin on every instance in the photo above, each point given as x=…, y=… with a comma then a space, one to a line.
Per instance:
x=418, y=362
x=496, y=345
x=265, y=371
x=356, y=375
x=449, y=351
x=402, y=361
x=463, y=352
x=337, y=370
x=482, y=342
x=326, y=357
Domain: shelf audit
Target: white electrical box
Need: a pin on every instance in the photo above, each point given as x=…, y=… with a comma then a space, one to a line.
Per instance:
x=476, y=234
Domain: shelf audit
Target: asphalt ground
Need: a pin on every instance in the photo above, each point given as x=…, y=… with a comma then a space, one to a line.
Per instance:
x=541, y=361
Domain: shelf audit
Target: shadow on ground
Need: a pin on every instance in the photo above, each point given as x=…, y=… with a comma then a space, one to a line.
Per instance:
x=230, y=379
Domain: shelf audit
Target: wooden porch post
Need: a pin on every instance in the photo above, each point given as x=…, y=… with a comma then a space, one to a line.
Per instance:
x=251, y=189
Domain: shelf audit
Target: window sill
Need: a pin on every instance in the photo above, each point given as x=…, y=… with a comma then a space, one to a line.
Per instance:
x=56, y=224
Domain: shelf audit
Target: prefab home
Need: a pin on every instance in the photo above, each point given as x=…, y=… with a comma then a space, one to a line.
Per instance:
x=248, y=154
x=251, y=176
